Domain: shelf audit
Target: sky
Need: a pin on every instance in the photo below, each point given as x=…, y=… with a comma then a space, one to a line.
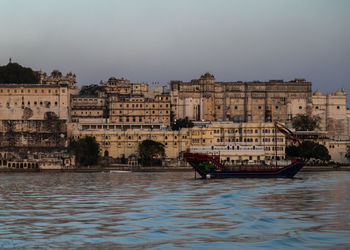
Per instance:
x=163, y=40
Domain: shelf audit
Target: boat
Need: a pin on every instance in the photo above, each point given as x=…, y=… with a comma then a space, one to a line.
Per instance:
x=209, y=166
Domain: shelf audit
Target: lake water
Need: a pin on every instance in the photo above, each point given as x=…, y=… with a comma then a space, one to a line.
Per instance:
x=173, y=210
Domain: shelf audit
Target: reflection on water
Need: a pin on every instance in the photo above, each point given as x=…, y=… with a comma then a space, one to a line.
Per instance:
x=170, y=210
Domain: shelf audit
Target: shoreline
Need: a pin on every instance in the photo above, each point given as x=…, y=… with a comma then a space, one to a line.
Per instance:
x=151, y=169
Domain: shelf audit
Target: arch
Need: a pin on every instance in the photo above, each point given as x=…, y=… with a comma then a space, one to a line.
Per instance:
x=0, y=155
x=17, y=165
x=36, y=165
x=25, y=165
x=9, y=165
x=21, y=165
x=106, y=153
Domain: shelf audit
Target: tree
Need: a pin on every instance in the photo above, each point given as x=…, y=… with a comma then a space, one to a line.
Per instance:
x=308, y=150
x=13, y=73
x=150, y=152
x=305, y=122
x=86, y=150
x=182, y=123
x=92, y=90
x=347, y=155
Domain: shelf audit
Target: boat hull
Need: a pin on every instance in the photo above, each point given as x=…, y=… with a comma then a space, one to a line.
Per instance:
x=210, y=167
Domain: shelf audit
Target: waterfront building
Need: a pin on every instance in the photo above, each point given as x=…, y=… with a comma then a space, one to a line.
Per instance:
x=33, y=116
x=119, y=143
x=337, y=148
x=276, y=100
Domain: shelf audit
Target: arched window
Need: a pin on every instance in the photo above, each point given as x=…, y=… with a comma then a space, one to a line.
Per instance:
x=106, y=153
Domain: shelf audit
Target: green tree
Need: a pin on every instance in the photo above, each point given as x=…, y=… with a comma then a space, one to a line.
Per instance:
x=92, y=90
x=86, y=150
x=13, y=73
x=308, y=150
x=151, y=152
x=306, y=122
x=182, y=123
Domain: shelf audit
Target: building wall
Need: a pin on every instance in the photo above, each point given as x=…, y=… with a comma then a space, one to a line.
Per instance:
x=239, y=101
x=87, y=108
x=125, y=142
x=32, y=101
x=139, y=110
x=331, y=108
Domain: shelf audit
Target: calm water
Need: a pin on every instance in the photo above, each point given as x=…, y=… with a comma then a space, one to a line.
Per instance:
x=172, y=210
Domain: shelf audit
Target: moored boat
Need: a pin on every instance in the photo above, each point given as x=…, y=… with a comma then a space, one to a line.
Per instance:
x=209, y=166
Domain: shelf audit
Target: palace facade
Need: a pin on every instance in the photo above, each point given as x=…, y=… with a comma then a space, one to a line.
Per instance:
x=119, y=143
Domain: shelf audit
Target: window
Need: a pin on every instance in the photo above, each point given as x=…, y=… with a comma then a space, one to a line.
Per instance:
x=300, y=107
x=316, y=107
x=259, y=107
x=338, y=107
x=236, y=107
x=276, y=107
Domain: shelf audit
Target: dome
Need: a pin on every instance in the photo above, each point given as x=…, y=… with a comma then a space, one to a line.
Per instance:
x=318, y=93
x=112, y=79
x=339, y=93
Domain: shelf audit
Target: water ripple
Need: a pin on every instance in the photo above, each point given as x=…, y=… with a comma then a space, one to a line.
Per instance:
x=173, y=210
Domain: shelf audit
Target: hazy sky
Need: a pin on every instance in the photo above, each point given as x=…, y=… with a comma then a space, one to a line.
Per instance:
x=162, y=40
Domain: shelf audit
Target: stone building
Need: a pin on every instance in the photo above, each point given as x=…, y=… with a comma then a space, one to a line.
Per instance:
x=33, y=116
x=123, y=86
x=88, y=109
x=205, y=99
x=138, y=110
x=331, y=108
x=57, y=78
x=33, y=101
x=117, y=143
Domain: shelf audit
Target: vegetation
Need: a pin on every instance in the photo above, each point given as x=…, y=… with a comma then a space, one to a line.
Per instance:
x=308, y=150
x=306, y=122
x=92, y=90
x=151, y=152
x=13, y=73
x=182, y=123
x=347, y=155
x=86, y=150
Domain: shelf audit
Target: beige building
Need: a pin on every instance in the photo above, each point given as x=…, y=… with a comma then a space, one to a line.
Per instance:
x=123, y=86
x=116, y=142
x=57, y=78
x=331, y=108
x=205, y=99
x=88, y=109
x=234, y=154
x=33, y=101
x=337, y=148
x=138, y=110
